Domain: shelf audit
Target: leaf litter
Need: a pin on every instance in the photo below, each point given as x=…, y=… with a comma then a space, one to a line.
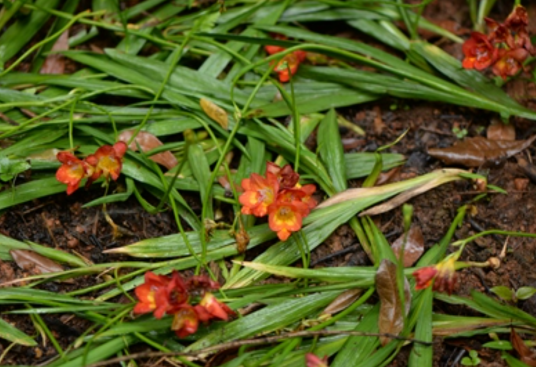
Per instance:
x=392, y=311
x=412, y=244
x=474, y=152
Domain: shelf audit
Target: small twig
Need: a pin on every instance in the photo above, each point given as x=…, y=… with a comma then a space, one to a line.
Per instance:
x=480, y=228
x=49, y=230
x=8, y=120
x=335, y=254
x=37, y=207
x=256, y=341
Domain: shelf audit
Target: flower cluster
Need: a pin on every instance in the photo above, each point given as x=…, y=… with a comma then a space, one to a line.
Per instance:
x=290, y=61
x=280, y=196
x=171, y=295
x=106, y=162
x=443, y=275
x=505, y=48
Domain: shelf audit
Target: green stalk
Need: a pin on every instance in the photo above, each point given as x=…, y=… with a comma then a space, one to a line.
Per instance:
x=405, y=17
x=224, y=151
x=6, y=14
x=492, y=231
x=49, y=334
x=175, y=59
x=483, y=11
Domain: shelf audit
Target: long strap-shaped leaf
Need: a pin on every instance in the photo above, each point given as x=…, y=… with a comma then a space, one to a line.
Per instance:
x=11, y=333
x=384, y=61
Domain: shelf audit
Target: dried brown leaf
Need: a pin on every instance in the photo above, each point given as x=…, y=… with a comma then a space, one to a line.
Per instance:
x=55, y=63
x=35, y=263
x=526, y=355
x=342, y=302
x=215, y=112
x=500, y=131
x=437, y=178
x=474, y=152
x=413, y=248
x=391, y=319
x=147, y=142
x=242, y=240
x=406, y=195
x=387, y=177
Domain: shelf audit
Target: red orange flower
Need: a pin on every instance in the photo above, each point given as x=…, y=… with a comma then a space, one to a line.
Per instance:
x=510, y=62
x=301, y=194
x=518, y=20
x=107, y=160
x=506, y=47
x=185, y=321
x=271, y=49
x=186, y=318
x=215, y=308
x=259, y=193
x=288, y=65
x=313, y=360
x=161, y=294
x=424, y=277
x=286, y=217
x=72, y=171
x=290, y=61
x=479, y=52
x=171, y=295
x=286, y=176
x=201, y=283
x=443, y=275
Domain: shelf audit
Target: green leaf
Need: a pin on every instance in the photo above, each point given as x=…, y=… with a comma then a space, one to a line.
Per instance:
x=10, y=168
x=29, y=191
x=33, y=142
x=12, y=334
x=524, y=293
x=513, y=362
x=268, y=319
x=331, y=150
x=338, y=274
x=422, y=355
x=359, y=348
x=23, y=30
x=38, y=296
x=490, y=307
x=471, y=79
x=7, y=244
x=503, y=292
x=316, y=100
x=498, y=344
x=175, y=246
x=201, y=170
x=95, y=354
x=360, y=165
